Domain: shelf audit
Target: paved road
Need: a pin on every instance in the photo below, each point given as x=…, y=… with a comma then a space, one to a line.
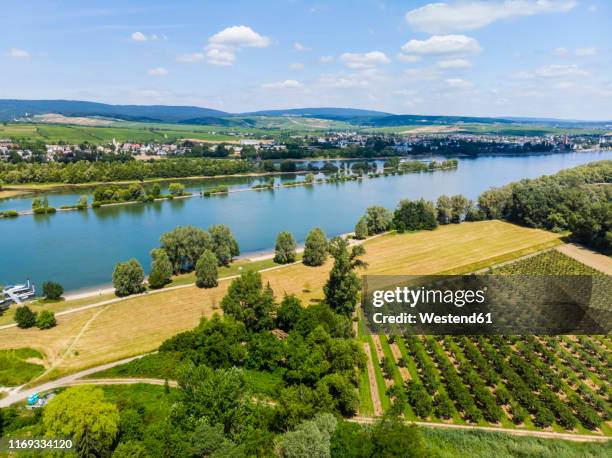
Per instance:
x=19, y=394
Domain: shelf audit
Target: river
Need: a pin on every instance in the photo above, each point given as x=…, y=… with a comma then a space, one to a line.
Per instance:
x=79, y=249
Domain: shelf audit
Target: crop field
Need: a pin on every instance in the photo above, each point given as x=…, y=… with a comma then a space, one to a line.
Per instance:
x=559, y=384
x=139, y=324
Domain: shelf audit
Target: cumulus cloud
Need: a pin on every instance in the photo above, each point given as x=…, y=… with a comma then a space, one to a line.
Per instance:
x=220, y=57
x=239, y=36
x=441, y=45
x=299, y=47
x=287, y=84
x=223, y=45
x=158, y=71
x=409, y=58
x=474, y=14
x=366, y=60
x=15, y=53
x=190, y=58
x=580, y=52
x=454, y=63
x=296, y=66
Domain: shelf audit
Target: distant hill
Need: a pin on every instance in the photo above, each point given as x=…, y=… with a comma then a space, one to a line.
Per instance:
x=15, y=109
x=322, y=112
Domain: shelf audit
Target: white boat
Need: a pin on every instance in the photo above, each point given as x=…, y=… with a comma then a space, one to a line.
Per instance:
x=16, y=294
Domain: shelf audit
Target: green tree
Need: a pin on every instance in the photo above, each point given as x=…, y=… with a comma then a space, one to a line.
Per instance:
x=309, y=178
x=315, y=249
x=444, y=209
x=128, y=278
x=155, y=191
x=161, y=268
x=184, y=246
x=351, y=440
x=378, y=219
x=459, y=207
x=392, y=437
x=130, y=449
x=224, y=245
x=248, y=301
x=25, y=317
x=415, y=215
x=82, y=414
x=311, y=438
x=342, y=287
x=176, y=189
x=361, y=229
x=52, y=290
x=284, y=250
x=206, y=270
x=288, y=313
x=45, y=319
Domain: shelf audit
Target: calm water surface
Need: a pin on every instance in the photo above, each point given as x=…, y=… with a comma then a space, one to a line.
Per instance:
x=80, y=249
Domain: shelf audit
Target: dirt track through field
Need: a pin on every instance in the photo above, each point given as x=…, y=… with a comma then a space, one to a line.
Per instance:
x=397, y=355
x=590, y=258
x=373, y=385
x=380, y=355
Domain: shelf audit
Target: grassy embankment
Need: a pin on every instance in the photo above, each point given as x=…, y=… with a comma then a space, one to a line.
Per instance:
x=138, y=325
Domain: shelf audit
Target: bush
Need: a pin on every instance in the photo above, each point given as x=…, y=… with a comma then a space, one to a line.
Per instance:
x=52, y=290
x=285, y=248
x=46, y=319
x=176, y=189
x=161, y=268
x=128, y=278
x=206, y=270
x=25, y=317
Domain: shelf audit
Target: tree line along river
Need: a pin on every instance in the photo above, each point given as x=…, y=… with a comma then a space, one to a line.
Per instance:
x=79, y=249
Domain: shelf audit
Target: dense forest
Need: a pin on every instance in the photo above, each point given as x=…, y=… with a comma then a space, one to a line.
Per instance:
x=87, y=172
x=578, y=200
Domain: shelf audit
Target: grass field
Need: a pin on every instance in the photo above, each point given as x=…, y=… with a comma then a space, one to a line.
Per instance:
x=19, y=366
x=477, y=444
x=137, y=325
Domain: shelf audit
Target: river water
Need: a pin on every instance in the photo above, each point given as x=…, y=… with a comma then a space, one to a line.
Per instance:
x=79, y=249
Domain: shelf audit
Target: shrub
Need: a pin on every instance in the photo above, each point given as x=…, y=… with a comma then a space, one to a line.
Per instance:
x=25, y=317
x=46, y=319
x=176, y=189
x=52, y=290
x=161, y=268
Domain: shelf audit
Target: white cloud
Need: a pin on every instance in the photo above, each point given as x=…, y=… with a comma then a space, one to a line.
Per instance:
x=459, y=83
x=299, y=47
x=287, y=84
x=220, y=57
x=139, y=36
x=326, y=59
x=409, y=58
x=556, y=71
x=592, y=8
x=473, y=14
x=222, y=46
x=158, y=71
x=364, y=60
x=190, y=58
x=239, y=36
x=442, y=45
x=560, y=52
x=342, y=81
x=454, y=63
x=586, y=52
x=15, y=53
x=296, y=66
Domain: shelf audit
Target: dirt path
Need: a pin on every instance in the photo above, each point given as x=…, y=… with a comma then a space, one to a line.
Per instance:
x=121, y=381
x=372, y=378
x=397, y=355
x=380, y=355
x=590, y=258
x=516, y=432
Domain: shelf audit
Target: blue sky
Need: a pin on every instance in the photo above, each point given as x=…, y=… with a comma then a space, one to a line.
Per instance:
x=542, y=58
